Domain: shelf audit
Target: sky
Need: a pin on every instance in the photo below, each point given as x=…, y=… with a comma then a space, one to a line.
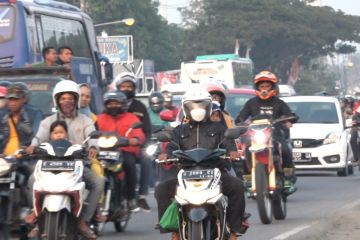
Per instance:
x=169, y=7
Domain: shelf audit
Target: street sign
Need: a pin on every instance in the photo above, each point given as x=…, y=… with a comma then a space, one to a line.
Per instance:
x=118, y=49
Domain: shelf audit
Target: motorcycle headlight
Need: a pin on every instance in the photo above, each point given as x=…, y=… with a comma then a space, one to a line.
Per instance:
x=107, y=142
x=333, y=137
x=4, y=166
x=260, y=137
x=151, y=149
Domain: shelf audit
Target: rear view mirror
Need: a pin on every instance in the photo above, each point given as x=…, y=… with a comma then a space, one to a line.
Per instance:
x=167, y=115
x=233, y=133
x=95, y=134
x=137, y=125
x=163, y=136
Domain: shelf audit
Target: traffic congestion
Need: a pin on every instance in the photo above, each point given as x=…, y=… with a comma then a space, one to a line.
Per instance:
x=97, y=143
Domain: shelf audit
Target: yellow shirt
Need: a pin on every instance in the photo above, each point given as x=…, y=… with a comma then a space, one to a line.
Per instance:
x=13, y=143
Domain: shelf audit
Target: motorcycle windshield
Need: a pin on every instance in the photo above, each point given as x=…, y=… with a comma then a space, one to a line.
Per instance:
x=199, y=154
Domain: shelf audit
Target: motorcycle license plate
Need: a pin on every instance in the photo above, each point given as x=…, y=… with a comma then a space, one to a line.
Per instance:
x=198, y=174
x=109, y=155
x=301, y=157
x=58, y=166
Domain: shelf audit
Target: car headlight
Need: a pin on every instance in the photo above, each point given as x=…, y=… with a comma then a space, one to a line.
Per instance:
x=107, y=142
x=4, y=166
x=151, y=149
x=333, y=137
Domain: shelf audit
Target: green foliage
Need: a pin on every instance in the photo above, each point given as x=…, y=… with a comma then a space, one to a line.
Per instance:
x=153, y=37
x=317, y=78
x=275, y=30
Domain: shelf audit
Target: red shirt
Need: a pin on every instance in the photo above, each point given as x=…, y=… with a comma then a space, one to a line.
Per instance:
x=121, y=123
x=357, y=105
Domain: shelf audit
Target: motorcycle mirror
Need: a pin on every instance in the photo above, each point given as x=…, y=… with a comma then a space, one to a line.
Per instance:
x=137, y=125
x=95, y=134
x=167, y=116
x=233, y=133
x=163, y=136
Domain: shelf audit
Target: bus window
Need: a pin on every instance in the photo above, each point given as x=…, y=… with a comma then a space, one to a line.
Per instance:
x=7, y=23
x=59, y=32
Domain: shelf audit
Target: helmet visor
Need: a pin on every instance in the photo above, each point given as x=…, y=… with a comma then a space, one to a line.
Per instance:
x=193, y=107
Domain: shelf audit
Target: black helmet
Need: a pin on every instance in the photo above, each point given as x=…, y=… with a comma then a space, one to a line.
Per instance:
x=115, y=96
x=156, y=101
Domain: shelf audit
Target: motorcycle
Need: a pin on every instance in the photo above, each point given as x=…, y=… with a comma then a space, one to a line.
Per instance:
x=58, y=191
x=267, y=175
x=12, y=195
x=111, y=160
x=201, y=204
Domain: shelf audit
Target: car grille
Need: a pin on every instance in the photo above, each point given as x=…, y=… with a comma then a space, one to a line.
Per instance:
x=314, y=161
x=6, y=62
x=306, y=143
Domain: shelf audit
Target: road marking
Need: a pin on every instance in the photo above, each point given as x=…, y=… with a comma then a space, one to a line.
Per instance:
x=286, y=235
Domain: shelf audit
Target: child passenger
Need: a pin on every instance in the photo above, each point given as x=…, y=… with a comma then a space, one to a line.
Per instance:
x=58, y=130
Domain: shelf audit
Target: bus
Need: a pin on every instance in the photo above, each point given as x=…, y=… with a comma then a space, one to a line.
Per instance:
x=233, y=70
x=27, y=26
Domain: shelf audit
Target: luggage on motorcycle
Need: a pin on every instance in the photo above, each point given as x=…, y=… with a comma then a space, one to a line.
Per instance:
x=169, y=220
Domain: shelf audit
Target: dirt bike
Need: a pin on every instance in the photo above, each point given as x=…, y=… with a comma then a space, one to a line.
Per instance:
x=13, y=207
x=111, y=159
x=201, y=204
x=268, y=178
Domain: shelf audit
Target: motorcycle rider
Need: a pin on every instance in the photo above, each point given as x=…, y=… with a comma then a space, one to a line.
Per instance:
x=201, y=132
x=126, y=83
x=267, y=103
x=18, y=124
x=66, y=98
x=168, y=102
x=218, y=94
x=116, y=118
x=3, y=92
x=156, y=104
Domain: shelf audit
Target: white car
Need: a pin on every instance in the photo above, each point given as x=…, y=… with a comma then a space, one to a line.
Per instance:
x=319, y=138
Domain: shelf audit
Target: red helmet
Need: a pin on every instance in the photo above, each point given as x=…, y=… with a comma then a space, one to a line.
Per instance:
x=265, y=76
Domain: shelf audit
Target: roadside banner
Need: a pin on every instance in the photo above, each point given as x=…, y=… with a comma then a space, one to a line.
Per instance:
x=118, y=49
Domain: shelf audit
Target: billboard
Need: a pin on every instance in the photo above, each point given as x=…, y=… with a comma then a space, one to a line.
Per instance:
x=118, y=49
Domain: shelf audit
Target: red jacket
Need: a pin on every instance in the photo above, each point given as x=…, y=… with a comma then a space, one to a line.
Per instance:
x=121, y=124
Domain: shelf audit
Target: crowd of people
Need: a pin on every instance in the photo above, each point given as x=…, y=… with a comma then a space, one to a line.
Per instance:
x=204, y=122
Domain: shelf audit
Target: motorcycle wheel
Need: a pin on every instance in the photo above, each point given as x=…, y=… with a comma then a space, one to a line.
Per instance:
x=263, y=200
x=57, y=226
x=279, y=200
x=195, y=230
x=121, y=224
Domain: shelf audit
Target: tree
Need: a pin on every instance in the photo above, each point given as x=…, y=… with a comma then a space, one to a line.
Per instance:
x=153, y=37
x=277, y=31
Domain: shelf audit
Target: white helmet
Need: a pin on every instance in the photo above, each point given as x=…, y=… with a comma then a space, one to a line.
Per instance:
x=124, y=77
x=197, y=104
x=66, y=86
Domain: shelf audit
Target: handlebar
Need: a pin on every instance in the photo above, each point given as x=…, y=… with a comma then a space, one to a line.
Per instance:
x=169, y=160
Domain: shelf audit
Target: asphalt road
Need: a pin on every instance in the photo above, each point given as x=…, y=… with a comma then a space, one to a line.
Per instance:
x=320, y=196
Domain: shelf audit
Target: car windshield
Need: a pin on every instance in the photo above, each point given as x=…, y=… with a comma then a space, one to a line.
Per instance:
x=315, y=112
x=235, y=102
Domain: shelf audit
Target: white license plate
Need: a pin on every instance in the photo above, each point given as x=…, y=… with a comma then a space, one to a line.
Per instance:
x=301, y=157
x=198, y=174
x=58, y=166
x=109, y=155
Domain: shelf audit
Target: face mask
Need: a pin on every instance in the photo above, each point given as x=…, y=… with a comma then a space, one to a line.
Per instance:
x=156, y=108
x=264, y=93
x=129, y=94
x=114, y=111
x=198, y=114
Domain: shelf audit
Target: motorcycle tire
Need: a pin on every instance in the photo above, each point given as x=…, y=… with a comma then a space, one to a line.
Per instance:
x=121, y=224
x=57, y=226
x=195, y=230
x=263, y=200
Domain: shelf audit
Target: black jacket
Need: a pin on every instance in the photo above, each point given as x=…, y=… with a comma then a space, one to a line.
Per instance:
x=138, y=108
x=199, y=135
x=273, y=107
